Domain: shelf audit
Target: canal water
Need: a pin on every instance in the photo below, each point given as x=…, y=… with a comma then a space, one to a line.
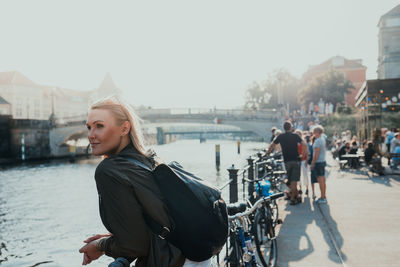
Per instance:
x=47, y=210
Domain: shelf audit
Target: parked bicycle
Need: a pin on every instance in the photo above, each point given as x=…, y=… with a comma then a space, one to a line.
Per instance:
x=244, y=232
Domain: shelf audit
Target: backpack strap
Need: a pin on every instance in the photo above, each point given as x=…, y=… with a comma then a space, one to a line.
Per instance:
x=161, y=231
x=138, y=163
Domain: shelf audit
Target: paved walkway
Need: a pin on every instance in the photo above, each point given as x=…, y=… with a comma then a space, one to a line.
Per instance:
x=362, y=214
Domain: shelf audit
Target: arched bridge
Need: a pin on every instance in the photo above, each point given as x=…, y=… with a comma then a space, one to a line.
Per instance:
x=258, y=122
x=246, y=122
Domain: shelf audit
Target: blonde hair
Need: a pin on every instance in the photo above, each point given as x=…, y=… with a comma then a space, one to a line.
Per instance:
x=298, y=132
x=122, y=112
x=319, y=129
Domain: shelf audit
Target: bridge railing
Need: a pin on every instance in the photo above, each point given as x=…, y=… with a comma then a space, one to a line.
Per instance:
x=209, y=113
x=186, y=112
x=70, y=120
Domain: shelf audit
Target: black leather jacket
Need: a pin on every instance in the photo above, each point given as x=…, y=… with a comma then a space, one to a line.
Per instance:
x=125, y=191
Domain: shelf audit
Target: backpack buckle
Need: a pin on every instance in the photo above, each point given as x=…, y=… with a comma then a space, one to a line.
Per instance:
x=164, y=233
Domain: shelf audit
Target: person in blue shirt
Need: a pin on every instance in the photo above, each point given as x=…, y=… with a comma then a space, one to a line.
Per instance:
x=389, y=137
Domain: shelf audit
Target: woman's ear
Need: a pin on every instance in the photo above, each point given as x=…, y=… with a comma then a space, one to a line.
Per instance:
x=125, y=128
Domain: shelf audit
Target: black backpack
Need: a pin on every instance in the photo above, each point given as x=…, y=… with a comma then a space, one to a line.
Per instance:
x=199, y=215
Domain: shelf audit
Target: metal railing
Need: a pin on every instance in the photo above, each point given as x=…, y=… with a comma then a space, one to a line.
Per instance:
x=255, y=168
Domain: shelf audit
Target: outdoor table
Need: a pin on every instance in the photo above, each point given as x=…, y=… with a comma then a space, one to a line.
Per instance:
x=352, y=157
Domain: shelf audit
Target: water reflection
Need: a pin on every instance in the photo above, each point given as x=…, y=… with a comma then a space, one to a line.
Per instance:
x=47, y=210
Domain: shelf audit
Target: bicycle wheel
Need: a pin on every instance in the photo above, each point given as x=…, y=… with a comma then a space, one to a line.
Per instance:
x=264, y=235
x=236, y=253
x=275, y=213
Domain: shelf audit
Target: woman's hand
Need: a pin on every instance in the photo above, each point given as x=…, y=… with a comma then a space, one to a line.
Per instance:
x=91, y=251
x=95, y=237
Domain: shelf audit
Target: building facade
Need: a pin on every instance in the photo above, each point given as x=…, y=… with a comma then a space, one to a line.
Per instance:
x=389, y=45
x=5, y=107
x=352, y=69
x=29, y=100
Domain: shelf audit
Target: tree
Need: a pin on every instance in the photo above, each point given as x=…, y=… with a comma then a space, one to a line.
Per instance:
x=256, y=97
x=331, y=87
x=266, y=95
x=283, y=82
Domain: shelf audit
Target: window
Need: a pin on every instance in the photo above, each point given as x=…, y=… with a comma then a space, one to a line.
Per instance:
x=36, y=108
x=393, y=22
x=18, y=107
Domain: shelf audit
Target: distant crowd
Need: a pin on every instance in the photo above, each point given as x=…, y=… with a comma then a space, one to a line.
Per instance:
x=387, y=144
x=304, y=153
x=304, y=156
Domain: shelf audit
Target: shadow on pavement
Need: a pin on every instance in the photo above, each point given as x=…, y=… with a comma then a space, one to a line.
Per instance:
x=383, y=180
x=321, y=223
x=294, y=243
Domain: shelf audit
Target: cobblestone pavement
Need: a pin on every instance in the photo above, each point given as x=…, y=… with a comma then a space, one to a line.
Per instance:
x=362, y=217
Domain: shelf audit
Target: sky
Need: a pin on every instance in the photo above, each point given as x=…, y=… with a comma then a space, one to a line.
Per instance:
x=172, y=53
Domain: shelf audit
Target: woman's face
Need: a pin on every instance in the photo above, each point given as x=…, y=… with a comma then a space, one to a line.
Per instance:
x=104, y=134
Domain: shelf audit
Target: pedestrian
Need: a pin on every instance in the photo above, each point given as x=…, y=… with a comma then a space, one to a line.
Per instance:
x=354, y=162
x=318, y=163
x=395, y=149
x=273, y=129
x=372, y=158
x=124, y=190
x=335, y=137
x=304, y=167
x=343, y=150
x=289, y=142
x=389, y=135
x=310, y=143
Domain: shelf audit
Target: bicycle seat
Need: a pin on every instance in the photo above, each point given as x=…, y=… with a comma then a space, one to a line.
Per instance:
x=235, y=208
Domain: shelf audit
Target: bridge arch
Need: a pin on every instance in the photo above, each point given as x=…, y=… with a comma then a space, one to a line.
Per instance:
x=61, y=134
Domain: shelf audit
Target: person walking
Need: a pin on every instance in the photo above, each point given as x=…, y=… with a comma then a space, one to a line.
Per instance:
x=304, y=167
x=289, y=142
x=273, y=130
x=125, y=190
x=318, y=163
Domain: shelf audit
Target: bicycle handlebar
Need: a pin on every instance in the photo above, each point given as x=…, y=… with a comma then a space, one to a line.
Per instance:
x=255, y=206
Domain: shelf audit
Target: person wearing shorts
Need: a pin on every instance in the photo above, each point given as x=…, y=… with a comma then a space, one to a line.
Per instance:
x=289, y=142
x=318, y=163
x=293, y=171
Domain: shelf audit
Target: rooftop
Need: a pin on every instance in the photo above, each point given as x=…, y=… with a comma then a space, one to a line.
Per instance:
x=393, y=12
x=337, y=62
x=15, y=77
x=108, y=84
x=3, y=101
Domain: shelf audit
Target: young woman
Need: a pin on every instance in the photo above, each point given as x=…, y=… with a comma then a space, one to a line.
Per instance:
x=305, y=168
x=125, y=190
x=318, y=162
x=310, y=142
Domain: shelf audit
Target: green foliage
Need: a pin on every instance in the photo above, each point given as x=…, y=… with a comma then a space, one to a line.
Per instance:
x=265, y=95
x=331, y=87
x=342, y=122
x=339, y=123
x=343, y=110
x=256, y=97
x=391, y=120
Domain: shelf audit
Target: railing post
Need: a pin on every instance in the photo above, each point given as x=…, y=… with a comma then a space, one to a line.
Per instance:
x=233, y=186
x=250, y=176
x=22, y=146
x=160, y=136
x=217, y=155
